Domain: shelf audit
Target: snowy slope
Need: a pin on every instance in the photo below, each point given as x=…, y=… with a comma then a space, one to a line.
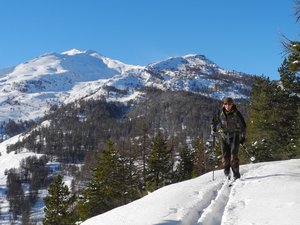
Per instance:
x=268, y=193
x=11, y=160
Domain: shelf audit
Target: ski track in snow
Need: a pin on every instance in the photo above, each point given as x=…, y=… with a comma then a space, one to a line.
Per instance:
x=213, y=213
x=192, y=217
x=211, y=209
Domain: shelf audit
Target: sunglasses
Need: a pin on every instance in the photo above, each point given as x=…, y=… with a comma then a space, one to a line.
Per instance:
x=228, y=104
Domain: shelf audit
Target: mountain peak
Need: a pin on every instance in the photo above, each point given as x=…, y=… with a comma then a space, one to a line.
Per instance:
x=180, y=63
x=198, y=59
x=73, y=51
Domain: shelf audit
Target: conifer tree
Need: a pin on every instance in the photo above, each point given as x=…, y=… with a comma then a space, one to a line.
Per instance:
x=185, y=165
x=288, y=108
x=15, y=193
x=296, y=148
x=111, y=184
x=160, y=164
x=263, y=130
x=272, y=121
x=200, y=159
x=58, y=204
x=290, y=78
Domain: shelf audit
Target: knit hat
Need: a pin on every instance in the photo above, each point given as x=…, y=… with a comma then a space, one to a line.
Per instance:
x=228, y=100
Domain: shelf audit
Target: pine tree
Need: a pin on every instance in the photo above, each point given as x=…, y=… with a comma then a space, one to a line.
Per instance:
x=296, y=148
x=185, y=165
x=160, y=164
x=15, y=193
x=274, y=111
x=289, y=78
x=58, y=204
x=272, y=120
x=294, y=55
x=263, y=128
x=112, y=184
x=200, y=159
x=288, y=108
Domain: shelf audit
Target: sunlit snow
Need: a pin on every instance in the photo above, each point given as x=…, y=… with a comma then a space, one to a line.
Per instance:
x=267, y=193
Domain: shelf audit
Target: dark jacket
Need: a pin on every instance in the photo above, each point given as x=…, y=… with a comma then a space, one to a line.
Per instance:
x=229, y=123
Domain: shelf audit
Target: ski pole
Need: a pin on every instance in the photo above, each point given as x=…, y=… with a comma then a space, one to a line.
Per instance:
x=214, y=152
x=252, y=158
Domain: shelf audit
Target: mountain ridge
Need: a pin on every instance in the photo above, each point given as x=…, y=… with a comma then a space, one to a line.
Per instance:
x=28, y=90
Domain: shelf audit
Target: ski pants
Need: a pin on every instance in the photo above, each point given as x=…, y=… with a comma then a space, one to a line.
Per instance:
x=230, y=148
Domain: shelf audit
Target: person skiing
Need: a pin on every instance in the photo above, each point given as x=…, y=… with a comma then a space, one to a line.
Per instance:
x=229, y=123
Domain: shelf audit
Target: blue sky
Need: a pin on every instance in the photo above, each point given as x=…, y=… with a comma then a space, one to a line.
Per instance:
x=237, y=35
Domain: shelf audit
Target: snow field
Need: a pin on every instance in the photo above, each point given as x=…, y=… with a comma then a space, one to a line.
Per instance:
x=267, y=193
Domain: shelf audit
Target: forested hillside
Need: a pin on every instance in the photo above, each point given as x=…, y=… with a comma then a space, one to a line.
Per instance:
x=72, y=132
x=163, y=129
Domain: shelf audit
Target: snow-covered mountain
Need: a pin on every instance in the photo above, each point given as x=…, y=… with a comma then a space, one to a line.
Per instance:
x=204, y=65
x=29, y=89
x=267, y=193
